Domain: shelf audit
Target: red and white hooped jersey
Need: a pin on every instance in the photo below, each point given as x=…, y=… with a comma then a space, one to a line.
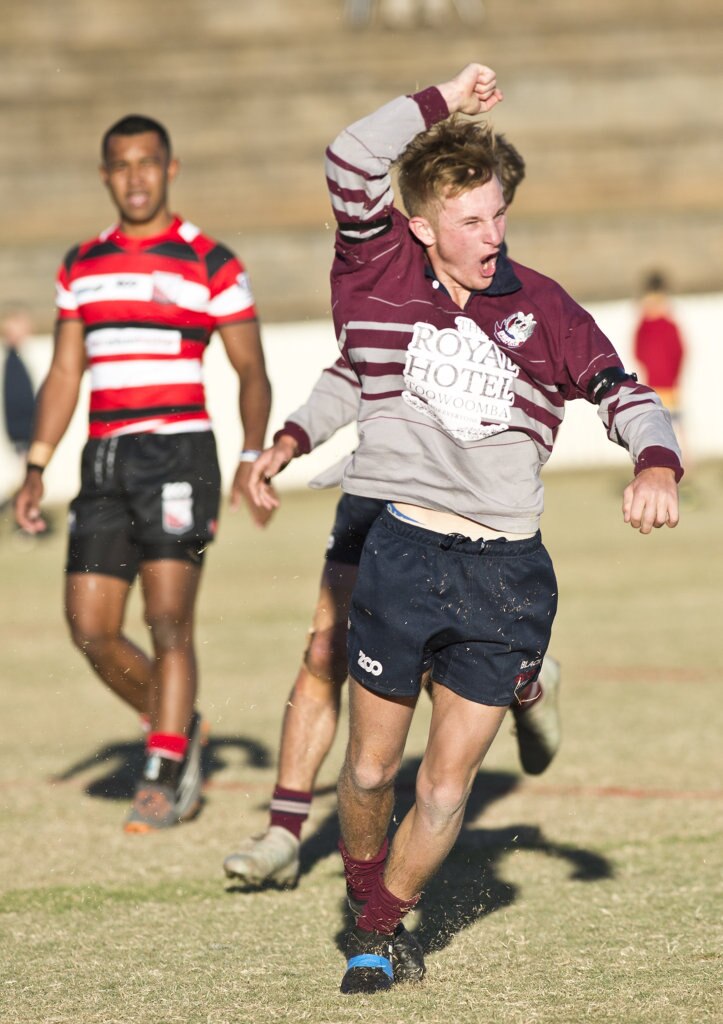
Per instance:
x=149, y=307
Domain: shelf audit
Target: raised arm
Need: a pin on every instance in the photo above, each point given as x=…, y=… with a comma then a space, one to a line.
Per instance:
x=473, y=90
x=56, y=403
x=359, y=160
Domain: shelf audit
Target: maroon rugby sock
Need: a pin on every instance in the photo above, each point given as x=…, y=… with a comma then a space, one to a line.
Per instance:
x=361, y=875
x=290, y=809
x=384, y=911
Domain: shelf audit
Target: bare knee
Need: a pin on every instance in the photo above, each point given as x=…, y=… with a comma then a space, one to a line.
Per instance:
x=88, y=634
x=369, y=774
x=442, y=800
x=325, y=656
x=310, y=689
x=168, y=631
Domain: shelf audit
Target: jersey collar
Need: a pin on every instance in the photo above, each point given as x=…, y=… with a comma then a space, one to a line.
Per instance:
x=505, y=281
x=115, y=234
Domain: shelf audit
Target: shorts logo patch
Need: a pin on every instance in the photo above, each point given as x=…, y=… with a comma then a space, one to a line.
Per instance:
x=374, y=668
x=177, y=507
x=528, y=671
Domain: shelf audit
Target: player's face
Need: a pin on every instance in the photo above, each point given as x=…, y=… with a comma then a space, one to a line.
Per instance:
x=137, y=172
x=464, y=236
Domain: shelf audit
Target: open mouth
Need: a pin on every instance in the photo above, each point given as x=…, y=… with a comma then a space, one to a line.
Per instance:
x=489, y=264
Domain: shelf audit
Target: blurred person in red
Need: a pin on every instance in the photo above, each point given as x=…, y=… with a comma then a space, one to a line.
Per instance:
x=659, y=347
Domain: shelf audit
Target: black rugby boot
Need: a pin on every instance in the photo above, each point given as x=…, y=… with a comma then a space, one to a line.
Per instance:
x=369, y=963
x=407, y=954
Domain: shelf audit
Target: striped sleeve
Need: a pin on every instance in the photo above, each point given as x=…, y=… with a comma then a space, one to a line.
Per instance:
x=358, y=162
x=632, y=413
x=635, y=418
x=65, y=301
x=331, y=405
x=231, y=299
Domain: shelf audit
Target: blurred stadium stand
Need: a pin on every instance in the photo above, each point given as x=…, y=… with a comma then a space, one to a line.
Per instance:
x=615, y=107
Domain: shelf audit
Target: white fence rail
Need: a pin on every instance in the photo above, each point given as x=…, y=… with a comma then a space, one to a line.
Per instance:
x=296, y=354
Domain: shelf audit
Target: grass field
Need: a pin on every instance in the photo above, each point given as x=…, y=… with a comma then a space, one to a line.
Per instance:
x=592, y=893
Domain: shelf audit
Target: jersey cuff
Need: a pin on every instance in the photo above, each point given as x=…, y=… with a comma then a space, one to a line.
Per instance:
x=657, y=456
x=432, y=105
x=299, y=435
x=247, y=316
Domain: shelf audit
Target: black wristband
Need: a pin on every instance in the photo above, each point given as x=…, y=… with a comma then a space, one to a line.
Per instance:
x=36, y=467
x=606, y=380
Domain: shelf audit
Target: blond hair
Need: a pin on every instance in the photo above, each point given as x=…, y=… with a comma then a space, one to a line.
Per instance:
x=451, y=157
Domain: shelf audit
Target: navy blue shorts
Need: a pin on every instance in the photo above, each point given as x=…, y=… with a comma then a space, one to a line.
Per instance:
x=353, y=521
x=477, y=614
x=143, y=497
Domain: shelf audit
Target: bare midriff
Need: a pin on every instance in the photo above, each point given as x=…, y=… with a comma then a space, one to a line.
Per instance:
x=449, y=522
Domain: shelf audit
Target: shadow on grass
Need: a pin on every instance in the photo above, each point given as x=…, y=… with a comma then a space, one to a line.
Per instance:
x=123, y=764
x=468, y=885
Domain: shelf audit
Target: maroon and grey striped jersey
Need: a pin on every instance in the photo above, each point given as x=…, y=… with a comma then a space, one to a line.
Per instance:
x=332, y=403
x=149, y=307
x=459, y=407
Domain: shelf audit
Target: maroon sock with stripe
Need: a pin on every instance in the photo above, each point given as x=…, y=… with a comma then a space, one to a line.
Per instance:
x=290, y=809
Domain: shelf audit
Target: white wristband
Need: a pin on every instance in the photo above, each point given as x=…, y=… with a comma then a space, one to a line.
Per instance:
x=249, y=455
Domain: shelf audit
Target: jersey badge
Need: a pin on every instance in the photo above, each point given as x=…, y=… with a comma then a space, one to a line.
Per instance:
x=515, y=329
x=244, y=285
x=166, y=288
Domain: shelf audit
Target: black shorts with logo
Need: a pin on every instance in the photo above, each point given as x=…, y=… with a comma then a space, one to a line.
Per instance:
x=143, y=497
x=477, y=614
x=352, y=523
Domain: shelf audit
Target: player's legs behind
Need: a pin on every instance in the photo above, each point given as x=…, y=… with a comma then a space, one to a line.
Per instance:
x=307, y=733
x=312, y=710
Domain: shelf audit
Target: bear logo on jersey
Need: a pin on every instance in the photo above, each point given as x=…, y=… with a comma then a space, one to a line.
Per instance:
x=515, y=329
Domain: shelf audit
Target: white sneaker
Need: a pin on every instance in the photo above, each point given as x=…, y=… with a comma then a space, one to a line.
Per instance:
x=538, y=724
x=268, y=859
